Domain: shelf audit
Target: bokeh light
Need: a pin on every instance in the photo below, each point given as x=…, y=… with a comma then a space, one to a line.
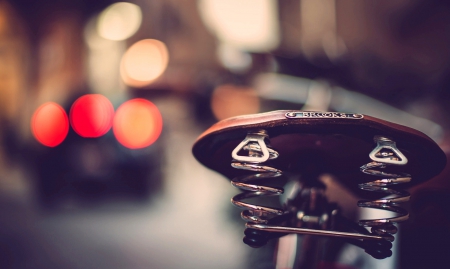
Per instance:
x=233, y=58
x=119, y=21
x=50, y=124
x=137, y=123
x=91, y=115
x=143, y=62
x=250, y=25
x=230, y=100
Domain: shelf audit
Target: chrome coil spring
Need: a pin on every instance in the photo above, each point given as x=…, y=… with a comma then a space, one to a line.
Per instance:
x=256, y=213
x=258, y=153
x=385, y=226
x=385, y=153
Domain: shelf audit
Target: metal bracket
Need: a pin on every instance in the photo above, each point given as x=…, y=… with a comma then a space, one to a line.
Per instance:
x=396, y=158
x=294, y=230
x=257, y=137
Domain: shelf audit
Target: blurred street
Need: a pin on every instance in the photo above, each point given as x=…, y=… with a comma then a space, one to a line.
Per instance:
x=185, y=226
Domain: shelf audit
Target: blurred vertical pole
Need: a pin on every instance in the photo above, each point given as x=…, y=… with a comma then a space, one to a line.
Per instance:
x=290, y=40
x=60, y=58
x=13, y=62
x=14, y=79
x=318, y=30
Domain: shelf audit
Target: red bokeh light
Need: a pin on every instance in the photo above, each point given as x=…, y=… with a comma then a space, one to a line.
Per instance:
x=137, y=123
x=50, y=124
x=91, y=115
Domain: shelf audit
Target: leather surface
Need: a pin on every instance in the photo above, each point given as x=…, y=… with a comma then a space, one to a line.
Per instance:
x=308, y=146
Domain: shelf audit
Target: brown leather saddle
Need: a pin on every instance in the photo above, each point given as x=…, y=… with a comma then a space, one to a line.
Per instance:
x=352, y=147
x=325, y=142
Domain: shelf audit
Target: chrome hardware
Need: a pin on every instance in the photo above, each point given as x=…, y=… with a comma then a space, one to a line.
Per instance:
x=259, y=152
x=386, y=152
x=260, y=225
x=385, y=227
x=258, y=146
x=281, y=229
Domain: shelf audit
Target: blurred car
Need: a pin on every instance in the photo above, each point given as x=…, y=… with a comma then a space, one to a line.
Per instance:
x=98, y=166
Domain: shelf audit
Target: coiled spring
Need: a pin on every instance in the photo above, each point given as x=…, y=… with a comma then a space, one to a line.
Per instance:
x=258, y=152
x=256, y=147
x=383, y=155
x=263, y=221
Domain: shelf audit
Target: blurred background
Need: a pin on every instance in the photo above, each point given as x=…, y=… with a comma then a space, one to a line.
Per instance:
x=102, y=100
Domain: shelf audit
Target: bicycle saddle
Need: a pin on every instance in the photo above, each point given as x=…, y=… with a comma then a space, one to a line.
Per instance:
x=355, y=148
x=336, y=143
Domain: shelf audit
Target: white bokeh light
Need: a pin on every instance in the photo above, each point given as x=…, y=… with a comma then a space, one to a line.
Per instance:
x=144, y=62
x=119, y=21
x=250, y=25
